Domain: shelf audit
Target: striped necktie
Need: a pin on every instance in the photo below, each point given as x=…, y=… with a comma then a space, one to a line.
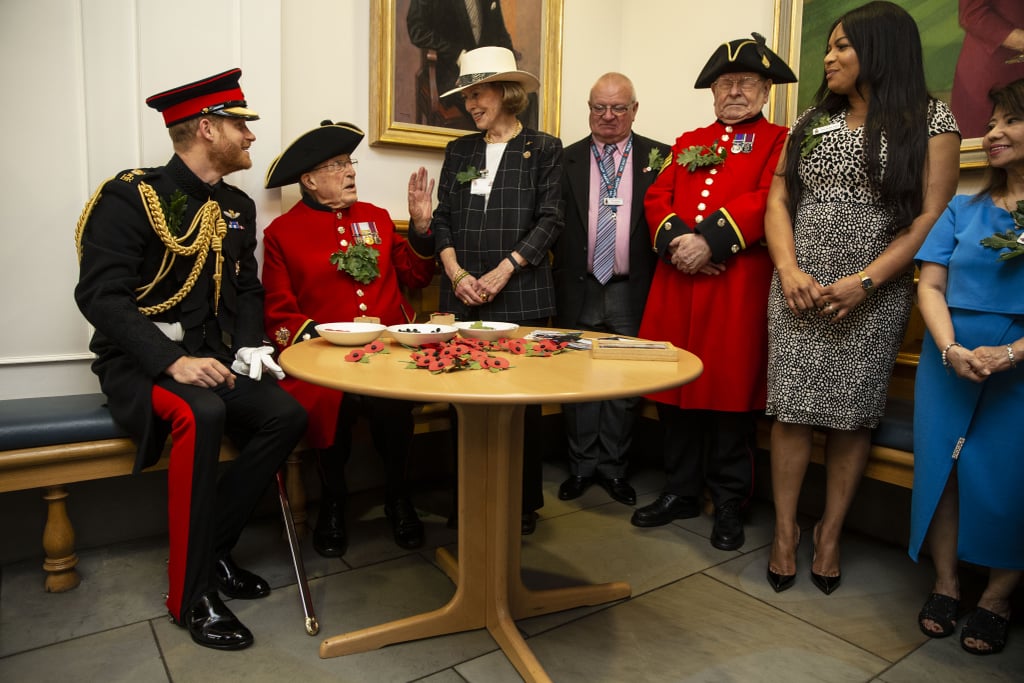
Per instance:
x=604, y=241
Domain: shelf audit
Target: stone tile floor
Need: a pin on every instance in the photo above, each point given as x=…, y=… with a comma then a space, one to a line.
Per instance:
x=696, y=614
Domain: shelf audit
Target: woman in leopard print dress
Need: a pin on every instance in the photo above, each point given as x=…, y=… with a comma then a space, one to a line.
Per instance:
x=866, y=172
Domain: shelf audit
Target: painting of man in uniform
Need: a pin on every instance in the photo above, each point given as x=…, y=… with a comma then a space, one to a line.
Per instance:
x=431, y=36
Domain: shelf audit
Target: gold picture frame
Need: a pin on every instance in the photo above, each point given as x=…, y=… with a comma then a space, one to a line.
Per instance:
x=789, y=35
x=394, y=60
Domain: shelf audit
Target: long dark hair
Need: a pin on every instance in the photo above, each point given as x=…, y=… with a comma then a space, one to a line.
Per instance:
x=1010, y=99
x=888, y=48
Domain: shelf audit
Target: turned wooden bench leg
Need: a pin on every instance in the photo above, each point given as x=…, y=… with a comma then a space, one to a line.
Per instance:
x=59, y=543
x=296, y=492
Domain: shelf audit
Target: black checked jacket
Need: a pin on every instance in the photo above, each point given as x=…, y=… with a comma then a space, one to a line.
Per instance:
x=524, y=214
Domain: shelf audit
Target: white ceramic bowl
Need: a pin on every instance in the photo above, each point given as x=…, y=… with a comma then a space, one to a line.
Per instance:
x=488, y=331
x=417, y=334
x=349, y=334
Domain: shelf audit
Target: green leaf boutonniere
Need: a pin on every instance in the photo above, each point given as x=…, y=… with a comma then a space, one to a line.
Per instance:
x=174, y=210
x=471, y=173
x=655, y=160
x=359, y=261
x=1009, y=239
x=813, y=139
x=696, y=156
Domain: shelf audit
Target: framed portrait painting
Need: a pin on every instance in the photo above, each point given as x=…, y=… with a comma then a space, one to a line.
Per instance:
x=952, y=70
x=414, y=50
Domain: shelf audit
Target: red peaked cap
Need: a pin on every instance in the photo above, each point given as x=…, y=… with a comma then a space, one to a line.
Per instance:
x=218, y=95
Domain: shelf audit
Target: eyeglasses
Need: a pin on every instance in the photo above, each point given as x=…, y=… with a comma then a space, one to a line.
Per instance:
x=746, y=84
x=336, y=166
x=616, y=109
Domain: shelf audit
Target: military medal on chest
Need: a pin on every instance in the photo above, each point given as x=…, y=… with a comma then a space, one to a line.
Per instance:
x=743, y=143
x=365, y=233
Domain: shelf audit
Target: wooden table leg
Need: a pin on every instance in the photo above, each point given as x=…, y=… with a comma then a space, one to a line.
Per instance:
x=489, y=589
x=466, y=610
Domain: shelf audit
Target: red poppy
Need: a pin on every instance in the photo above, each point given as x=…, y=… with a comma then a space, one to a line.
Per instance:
x=355, y=355
x=375, y=346
x=497, y=363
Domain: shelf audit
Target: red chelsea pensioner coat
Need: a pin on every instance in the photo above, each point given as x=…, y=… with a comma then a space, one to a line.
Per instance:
x=304, y=289
x=721, y=318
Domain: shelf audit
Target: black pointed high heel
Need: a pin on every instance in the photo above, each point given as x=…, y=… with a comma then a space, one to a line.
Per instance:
x=826, y=584
x=781, y=582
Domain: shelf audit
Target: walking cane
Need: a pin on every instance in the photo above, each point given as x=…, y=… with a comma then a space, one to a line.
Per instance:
x=312, y=626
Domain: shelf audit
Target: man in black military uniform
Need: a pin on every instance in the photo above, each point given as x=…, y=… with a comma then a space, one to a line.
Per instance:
x=168, y=278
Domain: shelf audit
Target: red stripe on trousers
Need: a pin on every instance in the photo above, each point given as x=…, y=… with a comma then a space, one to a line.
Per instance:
x=172, y=408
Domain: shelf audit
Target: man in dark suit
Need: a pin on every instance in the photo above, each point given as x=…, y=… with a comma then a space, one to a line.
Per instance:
x=601, y=284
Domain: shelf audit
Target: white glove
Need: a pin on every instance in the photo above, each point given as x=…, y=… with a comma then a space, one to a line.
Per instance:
x=250, y=360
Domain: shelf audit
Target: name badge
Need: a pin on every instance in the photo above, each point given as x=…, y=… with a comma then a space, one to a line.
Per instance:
x=481, y=186
x=612, y=201
x=826, y=129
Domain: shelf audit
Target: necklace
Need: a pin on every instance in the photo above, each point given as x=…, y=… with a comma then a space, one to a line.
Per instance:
x=518, y=129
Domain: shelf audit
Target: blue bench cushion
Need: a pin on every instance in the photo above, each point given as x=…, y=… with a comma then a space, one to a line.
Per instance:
x=896, y=430
x=51, y=420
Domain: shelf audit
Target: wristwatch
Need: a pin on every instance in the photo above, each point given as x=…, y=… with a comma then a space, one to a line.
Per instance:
x=867, y=283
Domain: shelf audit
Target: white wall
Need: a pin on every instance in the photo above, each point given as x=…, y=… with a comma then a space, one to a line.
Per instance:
x=75, y=74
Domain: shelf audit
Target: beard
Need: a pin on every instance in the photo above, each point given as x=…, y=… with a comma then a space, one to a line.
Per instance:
x=228, y=157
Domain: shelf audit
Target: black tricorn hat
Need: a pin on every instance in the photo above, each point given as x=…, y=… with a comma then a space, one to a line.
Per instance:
x=312, y=148
x=745, y=54
x=219, y=94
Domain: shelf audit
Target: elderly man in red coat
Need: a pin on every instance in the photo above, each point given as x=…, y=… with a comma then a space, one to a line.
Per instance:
x=710, y=289
x=332, y=258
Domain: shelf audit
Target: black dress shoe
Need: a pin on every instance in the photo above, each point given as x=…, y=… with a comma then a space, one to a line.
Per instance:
x=235, y=582
x=211, y=624
x=329, y=536
x=669, y=506
x=728, y=531
x=574, y=487
x=405, y=523
x=620, y=490
x=528, y=523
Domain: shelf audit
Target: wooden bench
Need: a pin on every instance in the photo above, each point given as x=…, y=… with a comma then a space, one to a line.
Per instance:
x=55, y=441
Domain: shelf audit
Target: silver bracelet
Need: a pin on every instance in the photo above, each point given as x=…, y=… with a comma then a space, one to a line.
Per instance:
x=1009, y=353
x=945, y=361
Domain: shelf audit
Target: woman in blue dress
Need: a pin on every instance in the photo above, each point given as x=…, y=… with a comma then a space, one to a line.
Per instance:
x=968, y=452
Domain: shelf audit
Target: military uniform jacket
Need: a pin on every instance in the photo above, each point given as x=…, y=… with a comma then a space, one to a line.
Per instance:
x=721, y=318
x=305, y=289
x=570, y=251
x=524, y=214
x=121, y=252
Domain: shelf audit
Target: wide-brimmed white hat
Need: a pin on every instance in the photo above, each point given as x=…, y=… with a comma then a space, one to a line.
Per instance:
x=490, y=64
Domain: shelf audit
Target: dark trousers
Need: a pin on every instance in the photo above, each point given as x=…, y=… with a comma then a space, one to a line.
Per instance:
x=206, y=514
x=391, y=429
x=600, y=433
x=708, y=447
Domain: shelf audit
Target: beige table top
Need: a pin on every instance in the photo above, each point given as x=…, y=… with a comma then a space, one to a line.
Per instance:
x=568, y=377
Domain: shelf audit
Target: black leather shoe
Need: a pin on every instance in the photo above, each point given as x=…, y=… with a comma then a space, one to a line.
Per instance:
x=728, y=531
x=529, y=523
x=405, y=523
x=235, y=582
x=574, y=487
x=329, y=537
x=669, y=506
x=211, y=624
x=620, y=490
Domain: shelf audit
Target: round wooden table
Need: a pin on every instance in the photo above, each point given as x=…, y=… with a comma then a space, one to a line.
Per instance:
x=489, y=590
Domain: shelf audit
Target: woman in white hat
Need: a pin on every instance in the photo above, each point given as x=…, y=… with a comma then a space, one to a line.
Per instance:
x=499, y=211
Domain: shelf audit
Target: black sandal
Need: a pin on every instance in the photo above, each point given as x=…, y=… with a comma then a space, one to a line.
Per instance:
x=989, y=628
x=941, y=610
